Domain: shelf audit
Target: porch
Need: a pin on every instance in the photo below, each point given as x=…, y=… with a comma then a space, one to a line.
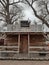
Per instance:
x=24, y=46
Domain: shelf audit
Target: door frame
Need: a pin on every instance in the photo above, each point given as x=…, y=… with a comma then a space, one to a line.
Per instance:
x=20, y=42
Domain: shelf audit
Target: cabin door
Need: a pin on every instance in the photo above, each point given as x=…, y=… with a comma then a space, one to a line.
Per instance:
x=24, y=44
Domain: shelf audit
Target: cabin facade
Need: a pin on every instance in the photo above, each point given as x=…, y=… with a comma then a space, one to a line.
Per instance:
x=23, y=38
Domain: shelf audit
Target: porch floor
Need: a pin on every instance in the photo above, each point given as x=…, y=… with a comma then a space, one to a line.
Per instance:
x=20, y=56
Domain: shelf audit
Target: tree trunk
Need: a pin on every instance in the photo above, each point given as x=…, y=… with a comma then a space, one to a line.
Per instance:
x=8, y=14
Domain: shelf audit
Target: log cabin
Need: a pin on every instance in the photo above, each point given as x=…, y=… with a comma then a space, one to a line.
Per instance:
x=23, y=37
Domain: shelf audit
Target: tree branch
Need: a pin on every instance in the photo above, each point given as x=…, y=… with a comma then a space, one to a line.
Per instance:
x=1, y=19
x=42, y=19
x=16, y=19
x=2, y=3
x=32, y=2
x=14, y=2
x=47, y=8
x=13, y=16
x=2, y=13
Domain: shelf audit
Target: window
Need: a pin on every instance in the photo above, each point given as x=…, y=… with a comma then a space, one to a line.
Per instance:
x=24, y=24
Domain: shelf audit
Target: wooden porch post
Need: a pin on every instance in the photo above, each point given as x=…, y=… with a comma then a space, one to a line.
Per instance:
x=18, y=42
x=5, y=43
x=28, y=42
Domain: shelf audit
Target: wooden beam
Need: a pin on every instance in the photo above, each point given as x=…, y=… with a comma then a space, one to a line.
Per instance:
x=18, y=42
x=28, y=43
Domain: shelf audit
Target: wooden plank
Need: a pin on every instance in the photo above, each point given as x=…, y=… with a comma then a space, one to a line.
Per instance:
x=8, y=46
x=39, y=52
x=28, y=42
x=9, y=51
x=38, y=46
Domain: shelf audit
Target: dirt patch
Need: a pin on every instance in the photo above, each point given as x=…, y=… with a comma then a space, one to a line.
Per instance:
x=12, y=62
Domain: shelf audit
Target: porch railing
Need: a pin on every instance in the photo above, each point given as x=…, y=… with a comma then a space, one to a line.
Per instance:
x=9, y=49
x=41, y=49
x=8, y=46
x=32, y=54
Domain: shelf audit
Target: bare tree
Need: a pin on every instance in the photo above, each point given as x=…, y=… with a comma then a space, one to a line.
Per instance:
x=9, y=12
x=43, y=11
x=9, y=15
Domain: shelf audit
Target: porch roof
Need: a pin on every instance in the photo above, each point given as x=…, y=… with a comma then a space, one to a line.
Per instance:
x=15, y=33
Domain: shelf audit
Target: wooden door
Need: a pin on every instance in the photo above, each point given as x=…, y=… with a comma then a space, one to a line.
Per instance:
x=24, y=44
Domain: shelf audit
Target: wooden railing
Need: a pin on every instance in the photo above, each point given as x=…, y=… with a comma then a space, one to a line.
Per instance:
x=9, y=49
x=8, y=46
x=38, y=46
x=8, y=54
x=41, y=49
